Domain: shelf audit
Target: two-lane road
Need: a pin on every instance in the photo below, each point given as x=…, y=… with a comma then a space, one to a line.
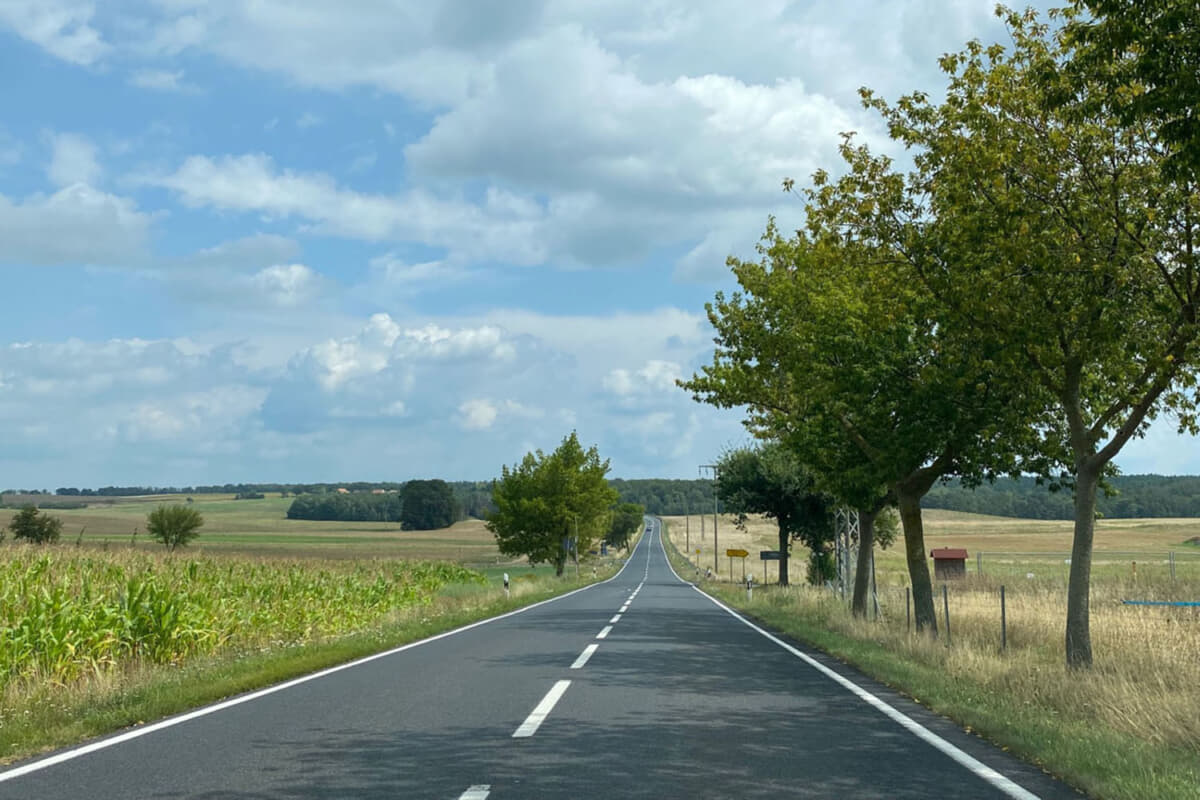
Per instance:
x=640, y=686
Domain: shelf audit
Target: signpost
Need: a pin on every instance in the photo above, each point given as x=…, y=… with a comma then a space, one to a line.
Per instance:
x=736, y=552
x=767, y=555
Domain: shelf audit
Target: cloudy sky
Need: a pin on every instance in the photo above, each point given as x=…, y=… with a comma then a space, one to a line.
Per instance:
x=307, y=241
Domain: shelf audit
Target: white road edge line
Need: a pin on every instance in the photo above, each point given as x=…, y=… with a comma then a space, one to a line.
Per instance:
x=584, y=656
x=974, y=765
x=541, y=711
x=616, y=618
x=604, y=633
x=112, y=741
x=479, y=791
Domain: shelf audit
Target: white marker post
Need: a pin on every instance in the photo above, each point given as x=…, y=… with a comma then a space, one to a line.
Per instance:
x=506, y=584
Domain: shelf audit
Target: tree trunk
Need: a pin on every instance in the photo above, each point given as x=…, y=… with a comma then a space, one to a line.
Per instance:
x=909, y=502
x=1079, y=636
x=560, y=563
x=862, y=573
x=783, y=555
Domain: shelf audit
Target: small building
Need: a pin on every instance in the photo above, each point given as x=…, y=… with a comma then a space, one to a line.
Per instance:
x=949, y=562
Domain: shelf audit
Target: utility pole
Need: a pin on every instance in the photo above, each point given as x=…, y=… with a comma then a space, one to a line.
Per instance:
x=716, y=477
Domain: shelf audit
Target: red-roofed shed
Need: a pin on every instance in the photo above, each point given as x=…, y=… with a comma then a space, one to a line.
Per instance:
x=949, y=562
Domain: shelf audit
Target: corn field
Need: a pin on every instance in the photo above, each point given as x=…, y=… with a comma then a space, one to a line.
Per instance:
x=68, y=615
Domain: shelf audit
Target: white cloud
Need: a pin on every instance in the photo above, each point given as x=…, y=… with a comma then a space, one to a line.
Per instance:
x=61, y=27
x=161, y=80
x=500, y=227
x=75, y=225
x=72, y=160
x=287, y=284
x=309, y=120
x=477, y=415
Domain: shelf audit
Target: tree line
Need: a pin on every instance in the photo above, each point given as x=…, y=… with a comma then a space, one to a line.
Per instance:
x=419, y=505
x=1023, y=300
x=1124, y=496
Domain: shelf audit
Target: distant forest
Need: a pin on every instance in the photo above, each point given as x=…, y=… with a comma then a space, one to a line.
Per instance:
x=1133, y=495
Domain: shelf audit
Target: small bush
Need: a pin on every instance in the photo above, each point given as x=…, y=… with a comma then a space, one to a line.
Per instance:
x=174, y=525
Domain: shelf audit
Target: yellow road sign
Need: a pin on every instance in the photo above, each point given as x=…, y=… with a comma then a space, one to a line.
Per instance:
x=737, y=553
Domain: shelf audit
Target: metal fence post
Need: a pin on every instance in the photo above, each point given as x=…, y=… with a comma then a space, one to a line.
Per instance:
x=946, y=605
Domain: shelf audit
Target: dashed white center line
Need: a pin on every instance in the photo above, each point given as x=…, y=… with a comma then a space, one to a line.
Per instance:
x=584, y=656
x=538, y=715
x=604, y=633
x=479, y=791
x=616, y=618
x=624, y=608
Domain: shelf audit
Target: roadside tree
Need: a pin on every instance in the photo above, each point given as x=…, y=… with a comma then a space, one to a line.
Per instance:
x=771, y=481
x=1072, y=246
x=546, y=501
x=626, y=518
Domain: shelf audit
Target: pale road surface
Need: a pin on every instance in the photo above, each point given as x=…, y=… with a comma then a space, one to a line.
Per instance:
x=637, y=687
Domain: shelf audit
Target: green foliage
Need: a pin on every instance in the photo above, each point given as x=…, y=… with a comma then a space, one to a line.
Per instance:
x=174, y=525
x=428, y=505
x=667, y=497
x=626, y=519
x=31, y=525
x=545, y=500
x=70, y=616
x=349, y=507
x=1144, y=53
x=770, y=480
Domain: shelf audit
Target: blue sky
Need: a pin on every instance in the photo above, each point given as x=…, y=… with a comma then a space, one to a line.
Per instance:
x=307, y=241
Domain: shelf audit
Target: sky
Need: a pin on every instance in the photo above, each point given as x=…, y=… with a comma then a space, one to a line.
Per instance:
x=299, y=241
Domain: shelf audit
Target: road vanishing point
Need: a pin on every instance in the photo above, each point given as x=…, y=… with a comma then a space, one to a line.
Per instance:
x=639, y=686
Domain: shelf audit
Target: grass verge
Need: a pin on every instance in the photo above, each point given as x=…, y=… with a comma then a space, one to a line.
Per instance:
x=1026, y=704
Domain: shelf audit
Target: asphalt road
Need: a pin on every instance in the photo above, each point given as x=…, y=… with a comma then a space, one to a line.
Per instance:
x=637, y=687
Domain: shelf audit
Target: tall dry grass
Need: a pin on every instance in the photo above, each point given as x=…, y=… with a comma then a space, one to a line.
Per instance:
x=1146, y=679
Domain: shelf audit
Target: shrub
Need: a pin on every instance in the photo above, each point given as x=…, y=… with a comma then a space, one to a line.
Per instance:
x=33, y=526
x=174, y=525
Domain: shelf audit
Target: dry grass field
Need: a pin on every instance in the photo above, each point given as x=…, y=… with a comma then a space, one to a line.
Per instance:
x=261, y=527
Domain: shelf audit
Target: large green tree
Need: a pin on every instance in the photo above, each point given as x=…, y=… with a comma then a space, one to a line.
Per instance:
x=546, y=500
x=428, y=505
x=836, y=350
x=624, y=521
x=770, y=480
x=31, y=525
x=1070, y=247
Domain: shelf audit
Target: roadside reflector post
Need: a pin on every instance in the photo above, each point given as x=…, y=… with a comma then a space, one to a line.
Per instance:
x=506, y=584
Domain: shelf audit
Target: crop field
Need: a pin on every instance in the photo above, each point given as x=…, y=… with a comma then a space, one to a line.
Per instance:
x=67, y=613
x=1129, y=728
x=261, y=527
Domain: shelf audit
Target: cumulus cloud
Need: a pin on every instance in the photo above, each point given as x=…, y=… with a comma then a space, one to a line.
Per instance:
x=73, y=160
x=76, y=225
x=477, y=415
x=498, y=228
x=61, y=27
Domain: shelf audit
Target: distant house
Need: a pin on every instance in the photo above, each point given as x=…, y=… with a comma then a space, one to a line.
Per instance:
x=378, y=491
x=343, y=490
